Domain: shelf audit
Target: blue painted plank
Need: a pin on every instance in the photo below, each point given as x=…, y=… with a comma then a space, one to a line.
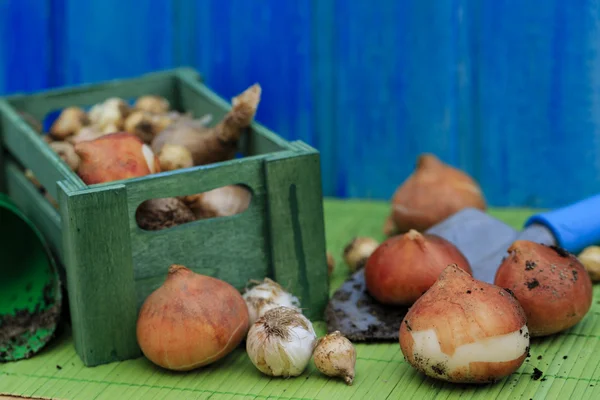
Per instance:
x=241, y=42
x=24, y=45
x=397, y=91
x=113, y=38
x=539, y=107
x=323, y=91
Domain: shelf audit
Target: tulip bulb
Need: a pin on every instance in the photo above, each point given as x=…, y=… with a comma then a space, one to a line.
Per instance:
x=335, y=356
x=464, y=330
x=590, y=258
x=404, y=267
x=432, y=193
x=551, y=284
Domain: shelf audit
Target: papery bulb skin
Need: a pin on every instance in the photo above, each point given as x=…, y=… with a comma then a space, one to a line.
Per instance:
x=465, y=331
x=550, y=283
x=432, y=193
x=281, y=342
x=191, y=321
x=404, y=267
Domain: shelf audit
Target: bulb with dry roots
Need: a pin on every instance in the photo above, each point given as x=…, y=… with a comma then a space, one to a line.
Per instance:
x=432, y=193
x=335, y=356
x=219, y=143
x=69, y=122
x=551, y=284
x=267, y=295
x=281, y=342
x=220, y=202
x=191, y=320
x=162, y=213
x=590, y=258
x=358, y=251
x=464, y=330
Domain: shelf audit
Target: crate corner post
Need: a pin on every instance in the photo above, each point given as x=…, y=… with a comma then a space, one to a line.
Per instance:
x=100, y=277
x=296, y=225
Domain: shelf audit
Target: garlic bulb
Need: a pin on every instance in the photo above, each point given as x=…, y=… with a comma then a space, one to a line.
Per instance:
x=266, y=296
x=281, y=342
x=335, y=356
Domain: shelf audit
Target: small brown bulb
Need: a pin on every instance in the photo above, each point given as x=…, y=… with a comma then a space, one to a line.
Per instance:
x=358, y=251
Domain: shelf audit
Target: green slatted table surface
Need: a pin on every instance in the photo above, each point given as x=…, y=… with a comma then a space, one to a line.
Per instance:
x=570, y=361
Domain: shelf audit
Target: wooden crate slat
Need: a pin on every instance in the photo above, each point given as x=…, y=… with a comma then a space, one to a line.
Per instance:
x=296, y=230
x=32, y=203
x=99, y=265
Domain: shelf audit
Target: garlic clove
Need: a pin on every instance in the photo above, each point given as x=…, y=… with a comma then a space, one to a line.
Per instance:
x=404, y=267
x=590, y=258
x=335, y=356
x=358, y=251
x=432, y=193
x=464, y=330
x=551, y=284
x=267, y=295
x=281, y=342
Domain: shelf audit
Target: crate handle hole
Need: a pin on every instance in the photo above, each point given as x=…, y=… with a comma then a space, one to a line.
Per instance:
x=165, y=213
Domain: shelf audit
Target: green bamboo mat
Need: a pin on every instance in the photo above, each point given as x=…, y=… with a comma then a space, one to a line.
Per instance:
x=570, y=361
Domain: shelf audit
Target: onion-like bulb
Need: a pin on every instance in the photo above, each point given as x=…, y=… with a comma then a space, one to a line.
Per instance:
x=464, y=330
x=404, y=267
x=191, y=320
x=432, y=193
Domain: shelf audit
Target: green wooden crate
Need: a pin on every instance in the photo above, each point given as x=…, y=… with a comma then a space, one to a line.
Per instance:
x=111, y=265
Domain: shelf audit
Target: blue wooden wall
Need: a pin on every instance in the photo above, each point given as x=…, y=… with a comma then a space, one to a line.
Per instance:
x=508, y=90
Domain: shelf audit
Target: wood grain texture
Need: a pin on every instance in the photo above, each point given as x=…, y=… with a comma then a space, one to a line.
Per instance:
x=34, y=206
x=100, y=276
x=31, y=151
x=112, y=265
x=296, y=230
x=503, y=90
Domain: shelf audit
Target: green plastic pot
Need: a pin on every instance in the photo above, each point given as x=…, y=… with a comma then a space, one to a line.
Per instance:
x=30, y=287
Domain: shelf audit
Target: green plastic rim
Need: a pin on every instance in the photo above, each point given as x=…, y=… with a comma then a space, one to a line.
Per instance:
x=30, y=287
